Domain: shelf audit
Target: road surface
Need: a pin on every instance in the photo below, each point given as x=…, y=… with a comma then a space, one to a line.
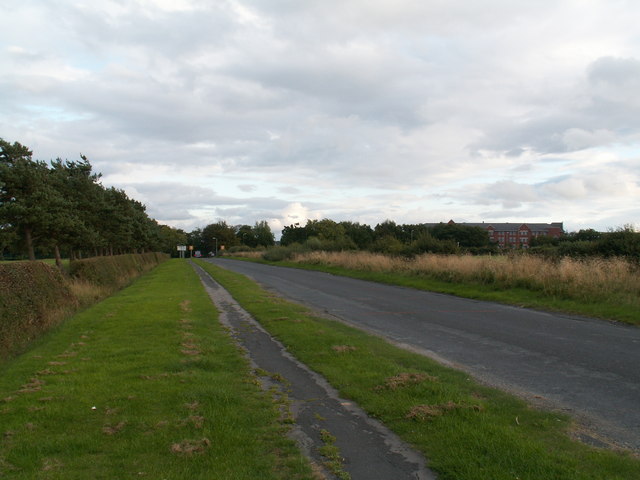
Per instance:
x=584, y=367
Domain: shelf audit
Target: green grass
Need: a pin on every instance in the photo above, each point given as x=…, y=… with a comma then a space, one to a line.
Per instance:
x=607, y=308
x=467, y=431
x=145, y=384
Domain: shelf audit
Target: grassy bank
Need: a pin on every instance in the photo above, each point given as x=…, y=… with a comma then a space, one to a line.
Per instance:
x=145, y=384
x=467, y=431
x=37, y=296
x=603, y=288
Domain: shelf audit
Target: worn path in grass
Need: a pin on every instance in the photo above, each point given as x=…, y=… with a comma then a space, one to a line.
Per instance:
x=368, y=449
x=584, y=367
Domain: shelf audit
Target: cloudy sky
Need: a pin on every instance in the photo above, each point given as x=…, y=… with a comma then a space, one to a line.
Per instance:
x=362, y=110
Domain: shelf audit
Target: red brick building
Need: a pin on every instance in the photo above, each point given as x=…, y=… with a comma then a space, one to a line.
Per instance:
x=518, y=235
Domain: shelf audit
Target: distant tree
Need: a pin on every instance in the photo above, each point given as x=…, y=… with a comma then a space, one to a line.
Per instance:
x=170, y=238
x=195, y=239
x=588, y=235
x=624, y=241
x=387, y=229
x=225, y=235
x=360, y=235
x=293, y=234
x=325, y=229
x=463, y=235
x=262, y=234
x=426, y=243
x=388, y=244
x=246, y=236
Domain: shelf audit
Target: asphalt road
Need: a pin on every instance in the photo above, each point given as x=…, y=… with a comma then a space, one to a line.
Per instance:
x=584, y=367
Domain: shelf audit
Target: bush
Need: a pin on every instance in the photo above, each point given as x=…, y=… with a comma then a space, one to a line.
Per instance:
x=114, y=271
x=34, y=297
x=280, y=253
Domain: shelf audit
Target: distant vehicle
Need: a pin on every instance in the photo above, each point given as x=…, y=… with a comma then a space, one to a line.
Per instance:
x=197, y=254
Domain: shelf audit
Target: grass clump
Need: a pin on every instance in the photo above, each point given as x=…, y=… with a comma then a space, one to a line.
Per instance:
x=145, y=384
x=467, y=431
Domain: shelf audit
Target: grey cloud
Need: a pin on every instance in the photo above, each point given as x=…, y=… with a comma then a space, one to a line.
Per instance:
x=339, y=106
x=605, y=110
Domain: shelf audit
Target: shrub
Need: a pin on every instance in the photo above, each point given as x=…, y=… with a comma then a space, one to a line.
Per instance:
x=34, y=297
x=114, y=271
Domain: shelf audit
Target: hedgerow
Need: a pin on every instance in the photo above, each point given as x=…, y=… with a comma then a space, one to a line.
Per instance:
x=35, y=296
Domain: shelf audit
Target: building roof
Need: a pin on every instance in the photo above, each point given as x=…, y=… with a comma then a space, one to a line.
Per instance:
x=507, y=226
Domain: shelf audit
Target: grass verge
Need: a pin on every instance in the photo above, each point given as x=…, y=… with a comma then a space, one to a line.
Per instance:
x=466, y=430
x=145, y=384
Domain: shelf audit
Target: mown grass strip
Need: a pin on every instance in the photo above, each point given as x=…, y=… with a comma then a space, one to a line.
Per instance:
x=145, y=384
x=467, y=431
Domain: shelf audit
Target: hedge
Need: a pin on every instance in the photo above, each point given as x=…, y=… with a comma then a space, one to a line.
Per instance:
x=35, y=296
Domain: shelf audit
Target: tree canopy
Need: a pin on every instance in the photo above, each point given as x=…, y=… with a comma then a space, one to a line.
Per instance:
x=61, y=206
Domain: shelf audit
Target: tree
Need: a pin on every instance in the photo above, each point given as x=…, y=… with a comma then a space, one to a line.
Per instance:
x=463, y=235
x=219, y=234
x=325, y=229
x=196, y=240
x=262, y=234
x=27, y=194
x=170, y=238
x=246, y=236
x=361, y=235
x=387, y=229
x=77, y=219
x=293, y=234
x=63, y=206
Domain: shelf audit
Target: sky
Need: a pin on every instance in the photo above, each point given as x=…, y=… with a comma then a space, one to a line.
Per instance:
x=358, y=110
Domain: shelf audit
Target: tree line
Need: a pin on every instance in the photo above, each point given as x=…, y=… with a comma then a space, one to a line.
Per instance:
x=450, y=238
x=60, y=209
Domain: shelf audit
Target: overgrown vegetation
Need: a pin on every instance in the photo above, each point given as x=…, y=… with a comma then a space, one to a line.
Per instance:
x=146, y=384
x=35, y=296
x=467, y=431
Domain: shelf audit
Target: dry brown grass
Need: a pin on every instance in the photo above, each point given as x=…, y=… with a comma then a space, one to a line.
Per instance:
x=405, y=379
x=191, y=447
x=428, y=412
x=87, y=293
x=257, y=254
x=343, y=348
x=586, y=279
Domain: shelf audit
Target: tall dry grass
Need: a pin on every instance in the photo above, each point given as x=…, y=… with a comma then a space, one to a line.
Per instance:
x=585, y=280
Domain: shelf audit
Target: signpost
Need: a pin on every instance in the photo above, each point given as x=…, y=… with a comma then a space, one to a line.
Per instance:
x=182, y=249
